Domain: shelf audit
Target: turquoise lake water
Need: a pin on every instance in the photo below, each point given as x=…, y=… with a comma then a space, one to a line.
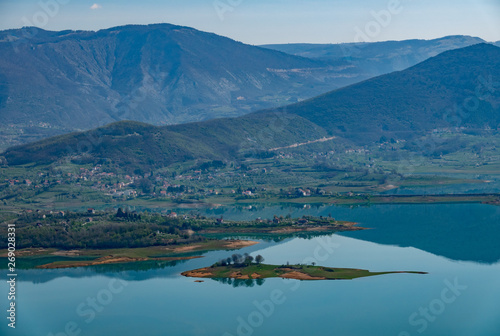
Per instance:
x=456, y=243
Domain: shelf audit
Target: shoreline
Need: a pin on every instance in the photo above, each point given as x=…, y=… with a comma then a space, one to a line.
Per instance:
x=127, y=255
x=108, y=260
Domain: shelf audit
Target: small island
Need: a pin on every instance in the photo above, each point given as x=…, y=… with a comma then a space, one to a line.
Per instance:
x=244, y=267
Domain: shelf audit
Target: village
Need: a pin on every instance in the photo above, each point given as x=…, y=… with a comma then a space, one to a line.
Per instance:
x=251, y=179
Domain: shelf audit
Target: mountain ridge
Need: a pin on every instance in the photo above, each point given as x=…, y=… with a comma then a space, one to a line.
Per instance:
x=159, y=74
x=401, y=105
x=419, y=49
x=55, y=82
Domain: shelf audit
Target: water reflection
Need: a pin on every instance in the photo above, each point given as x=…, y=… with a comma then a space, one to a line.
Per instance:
x=134, y=271
x=26, y=263
x=240, y=282
x=135, y=266
x=272, y=237
x=461, y=232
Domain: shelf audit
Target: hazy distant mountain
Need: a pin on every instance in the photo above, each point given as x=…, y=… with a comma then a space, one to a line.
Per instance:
x=159, y=74
x=58, y=82
x=377, y=58
x=421, y=98
x=399, y=105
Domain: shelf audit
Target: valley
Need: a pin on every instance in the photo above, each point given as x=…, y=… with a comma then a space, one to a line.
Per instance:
x=345, y=174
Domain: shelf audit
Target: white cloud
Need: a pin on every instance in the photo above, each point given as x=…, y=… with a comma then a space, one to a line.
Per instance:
x=95, y=6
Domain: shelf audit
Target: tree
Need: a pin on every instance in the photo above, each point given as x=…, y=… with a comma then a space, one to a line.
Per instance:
x=259, y=259
x=236, y=258
x=120, y=213
x=145, y=185
x=248, y=259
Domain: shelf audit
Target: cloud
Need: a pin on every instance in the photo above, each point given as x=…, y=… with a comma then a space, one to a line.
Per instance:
x=95, y=6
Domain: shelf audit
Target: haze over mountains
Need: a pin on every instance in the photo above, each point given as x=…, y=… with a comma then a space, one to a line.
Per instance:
x=160, y=74
x=402, y=105
x=377, y=58
x=57, y=82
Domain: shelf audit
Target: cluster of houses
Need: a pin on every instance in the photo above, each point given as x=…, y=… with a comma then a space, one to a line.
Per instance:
x=41, y=215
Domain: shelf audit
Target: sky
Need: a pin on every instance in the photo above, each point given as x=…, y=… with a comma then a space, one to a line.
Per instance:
x=270, y=21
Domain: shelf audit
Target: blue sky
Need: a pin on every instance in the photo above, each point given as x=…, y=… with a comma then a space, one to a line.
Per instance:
x=270, y=21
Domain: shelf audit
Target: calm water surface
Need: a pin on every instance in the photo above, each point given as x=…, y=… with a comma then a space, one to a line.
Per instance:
x=456, y=244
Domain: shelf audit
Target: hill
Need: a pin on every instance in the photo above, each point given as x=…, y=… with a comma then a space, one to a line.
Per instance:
x=376, y=58
x=457, y=88
x=56, y=82
x=132, y=145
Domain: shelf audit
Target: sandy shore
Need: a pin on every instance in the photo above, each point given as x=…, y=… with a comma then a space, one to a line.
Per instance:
x=226, y=244
x=198, y=273
x=300, y=276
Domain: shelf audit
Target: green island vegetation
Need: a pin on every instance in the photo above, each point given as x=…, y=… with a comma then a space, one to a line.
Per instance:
x=47, y=239
x=121, y=229
x=247, y=268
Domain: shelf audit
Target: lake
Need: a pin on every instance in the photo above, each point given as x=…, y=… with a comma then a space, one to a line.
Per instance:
x=457, y=244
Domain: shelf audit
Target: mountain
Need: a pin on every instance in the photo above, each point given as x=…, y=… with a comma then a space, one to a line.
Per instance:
x=419, y=99
x=376, y=58
x=399, y=105
x=56, y=82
